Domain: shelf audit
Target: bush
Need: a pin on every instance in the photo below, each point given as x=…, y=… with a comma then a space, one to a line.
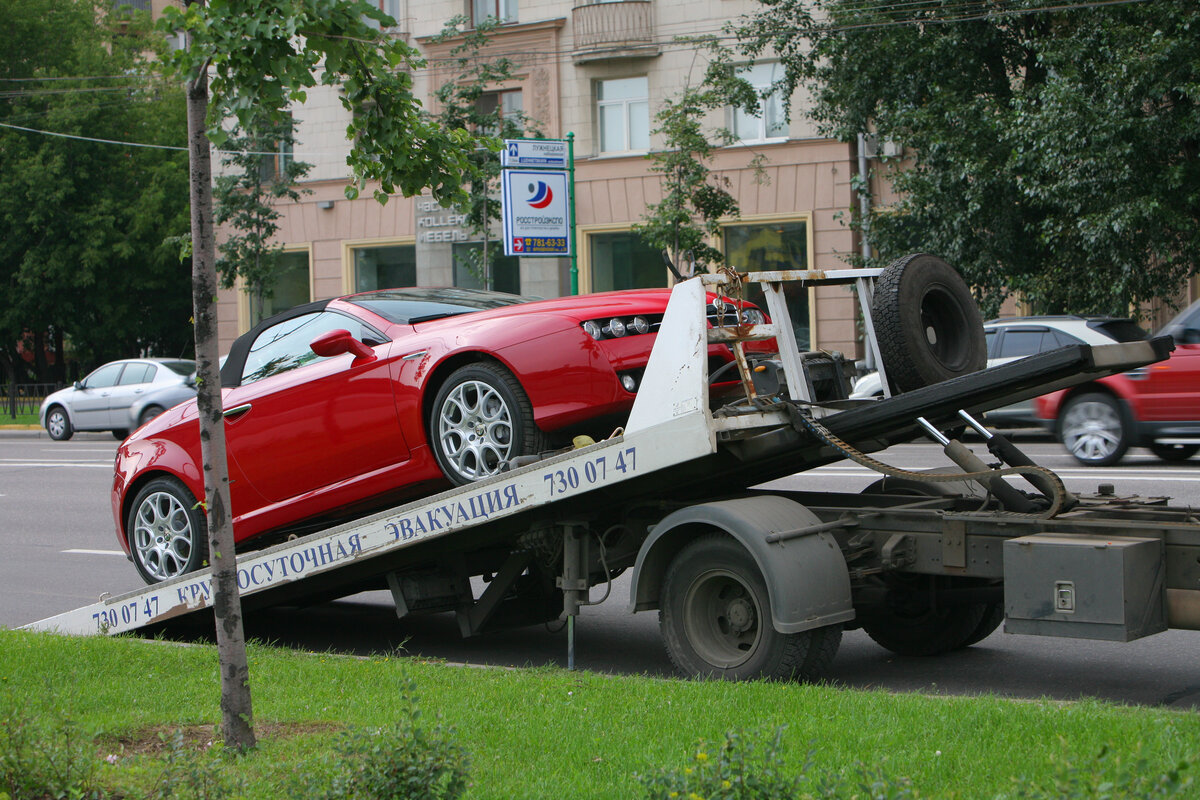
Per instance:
x=740, y=769
x=39, y=760
x=190, y=774
x=402, y=761
x=1111, y=777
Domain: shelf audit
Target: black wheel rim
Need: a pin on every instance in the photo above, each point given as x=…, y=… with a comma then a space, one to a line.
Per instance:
x=722, y=619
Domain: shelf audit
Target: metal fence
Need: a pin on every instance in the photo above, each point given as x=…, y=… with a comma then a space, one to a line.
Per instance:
x=24, y=398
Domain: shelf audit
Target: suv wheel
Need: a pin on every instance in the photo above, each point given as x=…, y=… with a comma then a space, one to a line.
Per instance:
x=1174, y=452
x=1094, y=429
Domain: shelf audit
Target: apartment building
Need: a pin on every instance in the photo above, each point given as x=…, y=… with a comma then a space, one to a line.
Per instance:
x=599, y=71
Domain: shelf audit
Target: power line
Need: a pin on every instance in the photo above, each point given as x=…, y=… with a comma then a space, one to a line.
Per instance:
x=143, y=144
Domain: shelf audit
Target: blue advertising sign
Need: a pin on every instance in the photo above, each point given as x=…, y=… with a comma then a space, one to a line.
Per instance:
x=536, y=213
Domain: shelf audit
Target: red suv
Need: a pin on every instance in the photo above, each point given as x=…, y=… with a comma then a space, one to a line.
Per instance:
x=1156, y=406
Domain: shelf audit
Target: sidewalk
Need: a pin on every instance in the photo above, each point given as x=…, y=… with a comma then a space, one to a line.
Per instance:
x=9, y=431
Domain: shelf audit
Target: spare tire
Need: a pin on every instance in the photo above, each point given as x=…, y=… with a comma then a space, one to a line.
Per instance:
x=928, y=326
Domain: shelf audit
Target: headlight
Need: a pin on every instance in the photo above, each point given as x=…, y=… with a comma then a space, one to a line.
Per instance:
x=752, y=316
x=618, y=327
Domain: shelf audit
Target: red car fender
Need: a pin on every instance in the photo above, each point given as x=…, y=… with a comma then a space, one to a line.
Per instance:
x=142, y=462
x=1049, y=406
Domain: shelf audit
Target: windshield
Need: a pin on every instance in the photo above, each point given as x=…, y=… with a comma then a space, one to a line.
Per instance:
x=410, y=306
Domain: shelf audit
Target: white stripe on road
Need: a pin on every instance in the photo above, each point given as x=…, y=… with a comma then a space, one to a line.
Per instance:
x=81, y=551
x=25, y=463
x=1074, y=474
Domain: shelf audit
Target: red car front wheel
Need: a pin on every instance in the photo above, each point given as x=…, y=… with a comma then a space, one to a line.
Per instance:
x=481, y=419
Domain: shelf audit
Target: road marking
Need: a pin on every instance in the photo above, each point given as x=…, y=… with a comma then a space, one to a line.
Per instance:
x=1100, y=474
x=81, y=551
x=4, y=462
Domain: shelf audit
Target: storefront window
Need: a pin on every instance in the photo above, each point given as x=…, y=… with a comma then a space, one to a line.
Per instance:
x=385, y=267
x=768, y=247
x=623, y=261
x=469, y=272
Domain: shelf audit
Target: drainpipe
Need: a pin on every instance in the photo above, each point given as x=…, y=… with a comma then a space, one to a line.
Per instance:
x=864, y=199
x=864, y=208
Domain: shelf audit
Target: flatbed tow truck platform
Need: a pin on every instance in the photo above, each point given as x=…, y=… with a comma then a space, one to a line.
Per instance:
x=754, y=583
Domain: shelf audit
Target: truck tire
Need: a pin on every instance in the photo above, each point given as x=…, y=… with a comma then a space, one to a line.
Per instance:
x=992, y=613
x=716, y=619
x=928, y=326
x=908, y=624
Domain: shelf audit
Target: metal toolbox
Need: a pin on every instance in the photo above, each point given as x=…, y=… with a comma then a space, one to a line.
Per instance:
x=1085, y=587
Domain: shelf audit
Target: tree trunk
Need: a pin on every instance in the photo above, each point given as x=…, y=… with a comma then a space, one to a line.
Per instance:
x=236, y=714
x=59, y=371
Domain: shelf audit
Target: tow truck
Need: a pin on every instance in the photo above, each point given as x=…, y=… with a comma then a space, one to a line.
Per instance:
x=752, y=582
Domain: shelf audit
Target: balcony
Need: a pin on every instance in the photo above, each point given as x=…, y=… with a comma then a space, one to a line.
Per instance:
x=604, y=31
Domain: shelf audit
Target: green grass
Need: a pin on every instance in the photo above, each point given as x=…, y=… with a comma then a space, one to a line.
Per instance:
x=19, y=419
x=535, y=733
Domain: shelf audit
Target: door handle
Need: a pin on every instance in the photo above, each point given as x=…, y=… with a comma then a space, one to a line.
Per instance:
x=236, y=411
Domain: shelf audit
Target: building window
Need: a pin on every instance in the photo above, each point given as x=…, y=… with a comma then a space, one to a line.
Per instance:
x=624, y=261
x=137, y=5
x=469, y=272
x=291, y=287
x=770, y=122
x=389, y=7
x=385, y=267
x=623, y=115
x=768, y=247
x=503, y=10
x=277, y=152
x=508, y=105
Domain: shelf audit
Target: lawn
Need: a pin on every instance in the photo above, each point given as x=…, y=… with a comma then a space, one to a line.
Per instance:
x=532, y=733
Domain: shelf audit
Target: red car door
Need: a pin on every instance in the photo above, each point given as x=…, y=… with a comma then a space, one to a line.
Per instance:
x=1171, y=389
x=300, y=423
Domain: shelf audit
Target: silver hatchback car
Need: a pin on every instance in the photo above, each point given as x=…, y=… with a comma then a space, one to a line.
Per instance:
x=107, y=398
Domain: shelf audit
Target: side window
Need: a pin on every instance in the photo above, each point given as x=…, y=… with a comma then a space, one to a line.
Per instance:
x=137, y=373
x=104, y=377
x=990, y=337
x=1056, y=339
x=285, y=346
x=1020, y=343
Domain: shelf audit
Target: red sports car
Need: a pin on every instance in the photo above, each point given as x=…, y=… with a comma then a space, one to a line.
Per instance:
x=343, y=406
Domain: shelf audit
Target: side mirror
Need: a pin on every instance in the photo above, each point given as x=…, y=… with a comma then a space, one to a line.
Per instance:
x=338, y=341
x=79, y=385
x=1189, y=336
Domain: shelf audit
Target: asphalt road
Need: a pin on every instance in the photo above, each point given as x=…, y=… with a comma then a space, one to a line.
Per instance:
x=56, y=533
